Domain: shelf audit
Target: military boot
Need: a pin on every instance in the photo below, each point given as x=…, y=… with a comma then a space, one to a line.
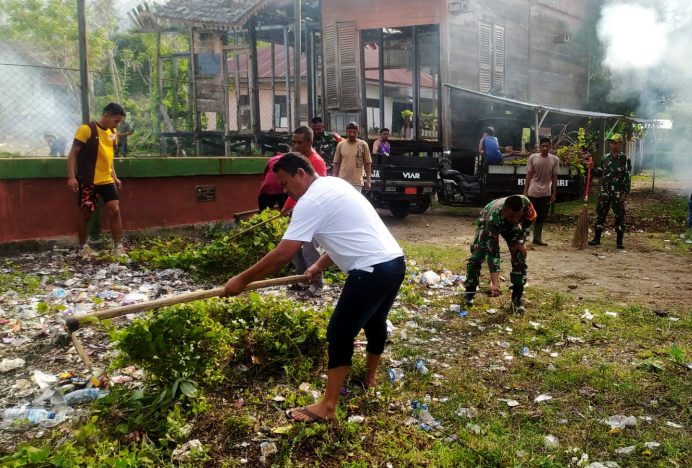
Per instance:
x=620, y=244
x=468, y=296
x=597, y=237
x=538, y=235
x=517, y=307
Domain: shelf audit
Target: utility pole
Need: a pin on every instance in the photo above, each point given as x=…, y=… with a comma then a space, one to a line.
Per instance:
x=297, y=36
x=83, y=62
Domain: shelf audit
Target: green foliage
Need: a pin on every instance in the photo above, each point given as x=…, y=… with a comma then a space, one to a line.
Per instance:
x=197, y=341
x=573, y=155
x=273, y=332
x=222, y=257
x=178, y=342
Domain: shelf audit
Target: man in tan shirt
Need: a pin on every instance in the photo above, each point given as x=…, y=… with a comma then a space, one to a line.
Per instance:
x=352, y=159
x=541, y=185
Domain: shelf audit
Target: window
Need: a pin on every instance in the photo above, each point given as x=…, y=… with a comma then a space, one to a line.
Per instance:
x=491, y=58
x=280, y=112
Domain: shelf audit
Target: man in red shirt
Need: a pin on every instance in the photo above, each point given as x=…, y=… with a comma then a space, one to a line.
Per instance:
x=271, y=192
x=308, y=254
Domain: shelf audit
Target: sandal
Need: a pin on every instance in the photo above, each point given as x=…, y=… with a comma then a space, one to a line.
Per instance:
x=312, y=417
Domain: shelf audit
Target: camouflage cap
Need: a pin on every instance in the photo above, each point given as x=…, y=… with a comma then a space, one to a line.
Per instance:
x=615, y=137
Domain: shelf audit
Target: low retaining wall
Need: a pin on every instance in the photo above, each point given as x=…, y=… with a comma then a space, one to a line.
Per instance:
x=35, y=202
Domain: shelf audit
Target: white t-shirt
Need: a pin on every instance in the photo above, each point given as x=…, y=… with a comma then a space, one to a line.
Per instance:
x=344, y=223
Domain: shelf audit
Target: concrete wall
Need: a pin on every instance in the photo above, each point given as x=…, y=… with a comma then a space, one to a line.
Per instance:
x=35, y=202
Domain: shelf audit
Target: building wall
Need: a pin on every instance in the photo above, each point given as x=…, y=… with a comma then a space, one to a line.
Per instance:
x=35, y=202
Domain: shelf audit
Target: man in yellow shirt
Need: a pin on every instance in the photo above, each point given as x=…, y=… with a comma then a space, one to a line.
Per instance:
x=352, y=159
x=91, y=174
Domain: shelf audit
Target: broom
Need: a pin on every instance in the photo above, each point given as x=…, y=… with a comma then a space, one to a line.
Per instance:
x=581, y=233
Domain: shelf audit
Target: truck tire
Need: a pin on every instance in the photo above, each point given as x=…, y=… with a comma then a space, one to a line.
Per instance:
x=400, y=209
x=421, y=205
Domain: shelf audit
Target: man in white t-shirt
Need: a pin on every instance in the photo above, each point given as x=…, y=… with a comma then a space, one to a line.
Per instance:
x=541, y=185
x=357, y=241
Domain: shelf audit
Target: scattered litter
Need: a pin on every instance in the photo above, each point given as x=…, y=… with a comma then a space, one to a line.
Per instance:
x=420, y=367
x=356, y=419
x=542, y=397
x=83, y=395
x=43, y=380
x=278, y=398
x=10, y=364
x=526, y=352
x=475, y=428
x=185, y=451
x=551, y=442
x=268, y=448
x=575, y=339
x=395, y=374
x=674, y=425
x=620, y=422
x=304, y=387
x=491, y=311
x=470, y=412
x=608, y=464
x=510, y=403
x=611, y=314
x=651, y=445
x=430, y=278
x=134, y=297
x=625, y=450
x=455, y=308
x=463, y=313
x=587, y=315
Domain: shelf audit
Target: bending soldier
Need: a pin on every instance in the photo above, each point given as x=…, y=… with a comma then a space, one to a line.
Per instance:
x=511, y=218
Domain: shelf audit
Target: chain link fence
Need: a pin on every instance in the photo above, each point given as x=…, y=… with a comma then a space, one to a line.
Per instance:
x=155, y=82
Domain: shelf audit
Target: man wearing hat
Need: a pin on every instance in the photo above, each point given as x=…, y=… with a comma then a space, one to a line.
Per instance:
x=616, y=182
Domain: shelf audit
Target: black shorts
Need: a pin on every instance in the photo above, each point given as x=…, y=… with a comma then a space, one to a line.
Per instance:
x=89, y=195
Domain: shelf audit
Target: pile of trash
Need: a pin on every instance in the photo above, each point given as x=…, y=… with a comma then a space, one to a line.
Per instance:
x=40, y=371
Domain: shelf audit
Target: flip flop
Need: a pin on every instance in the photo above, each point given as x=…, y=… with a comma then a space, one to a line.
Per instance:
x=313, y=418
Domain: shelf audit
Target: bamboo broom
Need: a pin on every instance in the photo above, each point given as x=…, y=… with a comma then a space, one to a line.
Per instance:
x=581, y=233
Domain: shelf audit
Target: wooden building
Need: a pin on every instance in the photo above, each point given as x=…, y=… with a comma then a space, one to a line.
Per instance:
x=519, y=49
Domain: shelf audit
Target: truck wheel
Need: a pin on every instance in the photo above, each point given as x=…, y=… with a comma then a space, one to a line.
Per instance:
x=421, y=205
x=400, y=209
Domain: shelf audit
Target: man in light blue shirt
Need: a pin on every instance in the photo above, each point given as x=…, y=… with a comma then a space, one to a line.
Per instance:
x=490, y=147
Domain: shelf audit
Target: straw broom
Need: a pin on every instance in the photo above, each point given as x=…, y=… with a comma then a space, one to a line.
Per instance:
x=581, y=233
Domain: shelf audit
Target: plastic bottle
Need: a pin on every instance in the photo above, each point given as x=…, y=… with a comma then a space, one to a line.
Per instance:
x=85, y=394
x=420, y=366
x=395, y=374
x=35, y=415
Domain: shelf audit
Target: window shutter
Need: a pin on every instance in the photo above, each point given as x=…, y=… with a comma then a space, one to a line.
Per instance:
x=498, y=59
x=348, y=85
x=484, y=57
x=330, y=73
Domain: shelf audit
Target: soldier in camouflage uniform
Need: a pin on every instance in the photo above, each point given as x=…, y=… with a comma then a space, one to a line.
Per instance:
x=324, y=142
x=511, y=218
x=615, y=186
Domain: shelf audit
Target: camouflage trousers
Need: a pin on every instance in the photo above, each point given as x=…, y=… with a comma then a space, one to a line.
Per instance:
x=605, y=201
x=481, y=247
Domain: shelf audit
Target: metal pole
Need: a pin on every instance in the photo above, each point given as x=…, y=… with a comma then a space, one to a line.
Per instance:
x=83, y=62
x=254, y=81
x=416, y=86
x=310, y=70
x=297, y=47
x=193, y=89
x=226, y=98
x=653, y=178
x=287, y=75
x=380, y=80
x=273, y=88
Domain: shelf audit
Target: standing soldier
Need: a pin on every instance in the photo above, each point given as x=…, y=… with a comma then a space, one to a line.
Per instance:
x=324, y=142
x=510, y=218
x=615, y=186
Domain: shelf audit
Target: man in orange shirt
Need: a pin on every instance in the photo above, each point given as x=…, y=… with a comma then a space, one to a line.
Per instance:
x=91, y=174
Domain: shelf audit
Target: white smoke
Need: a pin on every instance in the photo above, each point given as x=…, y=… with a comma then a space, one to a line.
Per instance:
x=647, y=48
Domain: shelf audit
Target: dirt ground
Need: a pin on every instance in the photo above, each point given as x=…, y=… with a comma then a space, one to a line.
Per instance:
x=641, y=274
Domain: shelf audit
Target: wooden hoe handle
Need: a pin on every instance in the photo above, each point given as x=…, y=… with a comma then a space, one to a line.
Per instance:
x=74, y=323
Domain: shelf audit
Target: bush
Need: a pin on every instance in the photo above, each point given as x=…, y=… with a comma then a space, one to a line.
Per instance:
x=222, y=257
x=196, y=341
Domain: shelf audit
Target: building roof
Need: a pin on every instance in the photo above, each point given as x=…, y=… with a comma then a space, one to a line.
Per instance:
x=209, y=14
x=536, y=106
